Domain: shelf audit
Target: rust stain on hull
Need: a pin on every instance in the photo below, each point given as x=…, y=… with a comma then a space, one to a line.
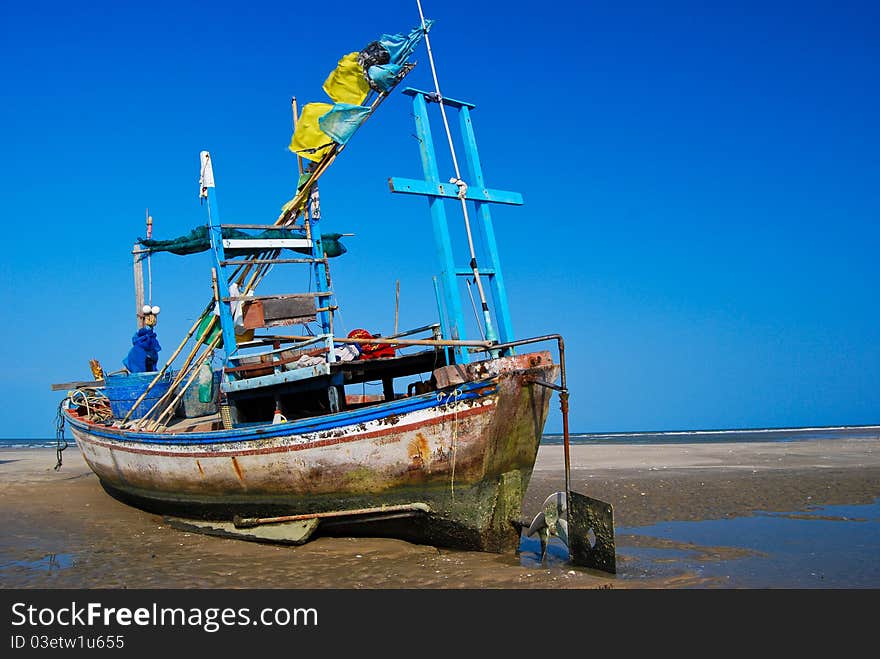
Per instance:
x=237, y=468
x=418, y=452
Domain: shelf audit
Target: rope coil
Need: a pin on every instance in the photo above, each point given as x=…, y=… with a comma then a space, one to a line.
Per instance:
x=462, y=187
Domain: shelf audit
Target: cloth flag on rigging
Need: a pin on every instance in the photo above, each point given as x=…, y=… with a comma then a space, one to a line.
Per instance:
x=378, y=67
x=309, y=140
x=346, y=83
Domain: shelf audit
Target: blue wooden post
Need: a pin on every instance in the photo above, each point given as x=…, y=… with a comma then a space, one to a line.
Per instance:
x=230, y=346
x=455, y=321
x=441, y=314
x=481, y=196
x=496, y=279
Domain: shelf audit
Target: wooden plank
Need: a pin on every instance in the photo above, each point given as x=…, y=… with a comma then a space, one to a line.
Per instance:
x=289, y=308
x=265, y=243
x=450, y=191
x=269, y=261
x=451, y=102
x=275, y=312
x=272, y=363
x=252, y=314
x=63, y=386
x=276, y=297
x=272, y=227
x=138, y=286
x=284, y=377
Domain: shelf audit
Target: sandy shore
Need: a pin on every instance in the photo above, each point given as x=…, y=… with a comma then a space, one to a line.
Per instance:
x=61, y=530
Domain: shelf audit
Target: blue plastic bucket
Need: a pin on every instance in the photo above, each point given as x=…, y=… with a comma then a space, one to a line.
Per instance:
x=124, y=390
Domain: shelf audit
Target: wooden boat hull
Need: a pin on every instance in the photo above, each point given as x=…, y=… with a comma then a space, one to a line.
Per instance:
x=466, y=451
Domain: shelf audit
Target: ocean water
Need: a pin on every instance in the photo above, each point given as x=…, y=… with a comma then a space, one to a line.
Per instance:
x=32, y=443
x=719, y=436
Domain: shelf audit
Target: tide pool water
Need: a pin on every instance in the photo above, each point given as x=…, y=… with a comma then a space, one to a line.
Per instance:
x=825, y=547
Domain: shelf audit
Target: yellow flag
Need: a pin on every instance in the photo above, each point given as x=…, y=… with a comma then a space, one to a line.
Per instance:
x=346, y=83
x=309, y=141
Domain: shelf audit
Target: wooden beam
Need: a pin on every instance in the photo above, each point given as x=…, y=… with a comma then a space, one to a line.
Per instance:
x=267, y=261
x=273, y=227
x=265, y=243
x=63, y=386
x=450, y=191
x=138, y=285
x=284, y=296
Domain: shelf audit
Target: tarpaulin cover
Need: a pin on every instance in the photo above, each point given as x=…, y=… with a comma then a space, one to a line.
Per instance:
x=144, y=353
x=198, y=240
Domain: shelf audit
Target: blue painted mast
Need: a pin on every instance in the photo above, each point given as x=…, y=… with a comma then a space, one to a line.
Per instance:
x=453, y=321
x=207, y=191
x=473, y=191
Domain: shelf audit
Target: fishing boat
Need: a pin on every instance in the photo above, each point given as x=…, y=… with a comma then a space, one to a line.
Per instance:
x=259, y=433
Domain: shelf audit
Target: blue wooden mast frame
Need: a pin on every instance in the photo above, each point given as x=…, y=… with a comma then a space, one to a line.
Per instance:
x=215, y=231
x=227, y=322
x=452, y=318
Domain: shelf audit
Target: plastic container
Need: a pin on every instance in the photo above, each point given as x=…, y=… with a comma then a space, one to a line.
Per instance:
x=192, y=406
x=124, y=390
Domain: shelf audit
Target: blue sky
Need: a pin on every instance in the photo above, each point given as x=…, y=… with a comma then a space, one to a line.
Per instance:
x=701, y=188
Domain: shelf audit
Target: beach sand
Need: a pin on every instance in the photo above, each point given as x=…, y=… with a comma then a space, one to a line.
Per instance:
x=62, y=530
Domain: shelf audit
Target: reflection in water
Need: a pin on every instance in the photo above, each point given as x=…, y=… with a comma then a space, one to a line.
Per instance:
x=825, y=547
x=49, y=563
x=530, y=553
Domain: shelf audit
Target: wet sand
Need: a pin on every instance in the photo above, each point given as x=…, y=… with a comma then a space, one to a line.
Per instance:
x=61, y=530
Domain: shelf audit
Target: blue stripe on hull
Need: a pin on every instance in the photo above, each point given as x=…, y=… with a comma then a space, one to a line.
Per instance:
x=468, y=391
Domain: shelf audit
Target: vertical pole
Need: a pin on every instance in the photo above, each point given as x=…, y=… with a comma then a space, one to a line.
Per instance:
x=396, y=305
x=448, y=277
x=320, y=267
x=299, y=160
x=138, y=284
x=499, y=293
x=149, y=259
x=441, y=314
x=216, y=234
x=563, y=407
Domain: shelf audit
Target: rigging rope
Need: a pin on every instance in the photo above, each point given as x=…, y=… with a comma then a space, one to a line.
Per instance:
x=60, y=441
x=474, y=305
x=453, y=398
x=457, y=180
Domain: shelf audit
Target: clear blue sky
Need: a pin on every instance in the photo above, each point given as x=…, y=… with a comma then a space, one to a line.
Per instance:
x=702, y=188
